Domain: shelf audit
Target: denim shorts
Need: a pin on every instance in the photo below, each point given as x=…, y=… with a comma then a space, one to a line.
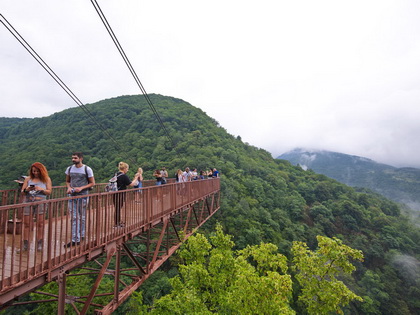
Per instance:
x=36, y=209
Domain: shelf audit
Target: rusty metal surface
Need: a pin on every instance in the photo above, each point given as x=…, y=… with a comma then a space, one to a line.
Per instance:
x=167, y=209
x=13, y=196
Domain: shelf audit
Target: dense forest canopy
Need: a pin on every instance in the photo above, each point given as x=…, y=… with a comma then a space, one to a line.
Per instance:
x=263, y=199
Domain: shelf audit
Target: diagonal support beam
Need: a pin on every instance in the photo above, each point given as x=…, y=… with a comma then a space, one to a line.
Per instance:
x=133, y=259
x=98, y=280
x=187, y=220
x=162, y=234
x=174, y=227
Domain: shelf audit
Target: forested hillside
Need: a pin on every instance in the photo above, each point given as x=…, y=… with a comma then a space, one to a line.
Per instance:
x=263, y=199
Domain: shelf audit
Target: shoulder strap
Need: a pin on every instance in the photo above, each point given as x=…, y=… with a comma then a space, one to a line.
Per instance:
x=87, y=177
x=116, y=179
x=86, y=172
x=116, y=175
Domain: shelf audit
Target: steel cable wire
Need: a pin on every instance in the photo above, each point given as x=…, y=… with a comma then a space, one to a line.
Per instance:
x=57, y=79
x=130, y=67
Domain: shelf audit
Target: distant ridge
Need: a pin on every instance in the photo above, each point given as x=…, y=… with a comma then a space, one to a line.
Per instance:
x=398, y=184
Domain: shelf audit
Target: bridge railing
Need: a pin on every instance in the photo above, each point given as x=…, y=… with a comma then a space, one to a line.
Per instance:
x=14, y=196
x=48, y=228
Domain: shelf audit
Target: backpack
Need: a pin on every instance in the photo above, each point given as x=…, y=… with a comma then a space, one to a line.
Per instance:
x=112, y=183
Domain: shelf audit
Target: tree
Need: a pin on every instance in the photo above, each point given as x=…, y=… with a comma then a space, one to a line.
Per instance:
x=316, y=273
x=216, y=279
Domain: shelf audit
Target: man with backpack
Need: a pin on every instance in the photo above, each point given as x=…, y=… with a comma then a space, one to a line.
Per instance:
x=79, y=180
x=164, y=175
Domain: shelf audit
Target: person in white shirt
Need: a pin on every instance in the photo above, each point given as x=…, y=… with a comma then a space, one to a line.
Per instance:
x=164, y=175
x=187, y=175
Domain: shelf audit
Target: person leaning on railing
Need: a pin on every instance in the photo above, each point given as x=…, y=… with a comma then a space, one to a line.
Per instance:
x=36, y=187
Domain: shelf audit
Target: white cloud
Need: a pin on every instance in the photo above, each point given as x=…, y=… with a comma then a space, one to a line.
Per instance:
x=332, y=75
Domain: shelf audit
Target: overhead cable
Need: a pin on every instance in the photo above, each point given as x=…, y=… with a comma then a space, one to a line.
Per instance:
x=57, y=79
x=130, y=67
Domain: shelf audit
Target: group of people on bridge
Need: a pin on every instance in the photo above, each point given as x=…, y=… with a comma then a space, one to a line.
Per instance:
x=79, y=180
x=189, y=175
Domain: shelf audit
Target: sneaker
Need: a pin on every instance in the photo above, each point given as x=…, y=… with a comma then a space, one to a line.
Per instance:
x=24, y=248
x=72, y=244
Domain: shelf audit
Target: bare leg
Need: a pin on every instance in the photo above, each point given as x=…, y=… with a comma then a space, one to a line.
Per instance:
x=25, y=232
x=40, y=224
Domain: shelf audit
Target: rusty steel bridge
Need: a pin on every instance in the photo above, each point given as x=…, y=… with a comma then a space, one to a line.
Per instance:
x=157, y=217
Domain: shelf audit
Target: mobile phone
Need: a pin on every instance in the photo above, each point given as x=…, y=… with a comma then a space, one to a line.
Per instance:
x=32, y=185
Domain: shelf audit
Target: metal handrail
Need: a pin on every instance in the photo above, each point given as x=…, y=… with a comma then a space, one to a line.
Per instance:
x=14, y=196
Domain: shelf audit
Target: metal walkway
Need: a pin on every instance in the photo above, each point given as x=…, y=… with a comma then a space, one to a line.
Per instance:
x=158, y=217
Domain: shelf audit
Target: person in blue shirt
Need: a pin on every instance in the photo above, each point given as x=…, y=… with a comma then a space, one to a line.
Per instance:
x=215, y=172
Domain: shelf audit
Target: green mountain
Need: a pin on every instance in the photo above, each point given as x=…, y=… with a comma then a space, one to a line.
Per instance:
x=398, y=184
x=263, y=199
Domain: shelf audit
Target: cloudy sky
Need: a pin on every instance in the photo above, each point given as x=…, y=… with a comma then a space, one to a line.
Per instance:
x=335, y=75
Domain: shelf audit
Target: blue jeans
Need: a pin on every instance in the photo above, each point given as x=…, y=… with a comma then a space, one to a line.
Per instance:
x=77, y=208
x=139, y=185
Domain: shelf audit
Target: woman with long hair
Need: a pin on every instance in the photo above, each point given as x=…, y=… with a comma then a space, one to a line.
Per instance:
x=178, y=176
x=36, y=187
x=157, y=174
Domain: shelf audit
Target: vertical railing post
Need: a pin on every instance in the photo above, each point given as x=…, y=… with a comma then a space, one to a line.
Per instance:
x=61, y=293
x=48, y=211
x=148, y=205
x=173, y=196
x=99, y=222
x=3, y=273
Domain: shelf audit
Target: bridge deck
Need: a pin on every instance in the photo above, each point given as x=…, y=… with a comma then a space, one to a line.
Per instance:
x=22, y=271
